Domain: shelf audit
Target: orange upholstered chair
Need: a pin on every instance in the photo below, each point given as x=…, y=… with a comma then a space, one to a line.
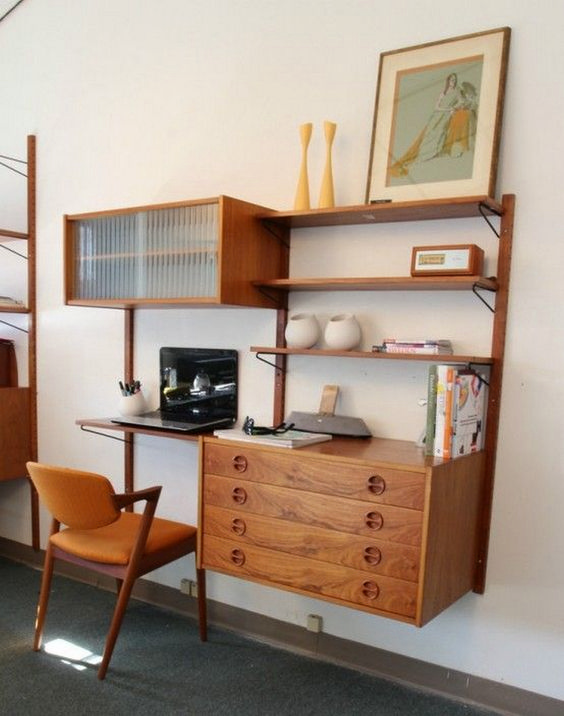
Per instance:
x=98, y=535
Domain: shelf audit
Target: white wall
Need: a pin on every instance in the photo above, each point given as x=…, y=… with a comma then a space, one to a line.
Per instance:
x=142, y=102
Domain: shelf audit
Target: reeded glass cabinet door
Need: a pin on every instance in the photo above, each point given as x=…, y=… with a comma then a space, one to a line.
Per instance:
x=155, y=254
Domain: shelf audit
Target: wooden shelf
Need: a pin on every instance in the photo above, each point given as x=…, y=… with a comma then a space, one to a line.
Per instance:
x=270, y=350
x=88, y=424
x=7, y=235
x=457, y=208
x=134, y=303
x=5, y=308
x=392, y=283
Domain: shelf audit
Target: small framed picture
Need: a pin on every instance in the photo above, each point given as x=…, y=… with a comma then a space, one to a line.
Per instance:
x=437, y=119
x=455, y=260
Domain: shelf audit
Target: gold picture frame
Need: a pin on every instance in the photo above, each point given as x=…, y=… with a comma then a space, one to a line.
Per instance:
x=437, y=119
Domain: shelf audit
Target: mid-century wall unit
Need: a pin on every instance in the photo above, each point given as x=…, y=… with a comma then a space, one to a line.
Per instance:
x=367, y=523
x=18, y=395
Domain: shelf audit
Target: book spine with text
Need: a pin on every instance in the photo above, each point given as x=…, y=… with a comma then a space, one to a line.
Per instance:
x=431, y=410
x=443, y=413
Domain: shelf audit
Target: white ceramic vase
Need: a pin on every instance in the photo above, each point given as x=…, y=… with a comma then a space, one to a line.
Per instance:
x=302, y=331
x=342, y=332
x=132, y=404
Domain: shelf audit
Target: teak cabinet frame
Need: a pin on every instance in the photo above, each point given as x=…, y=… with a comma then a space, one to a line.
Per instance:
x=18, y=405
x=244, y=251
x=369, y=524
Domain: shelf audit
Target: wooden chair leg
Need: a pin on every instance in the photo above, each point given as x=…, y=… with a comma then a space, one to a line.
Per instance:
x=43, y=598
x=202, y=605
x=119, y=612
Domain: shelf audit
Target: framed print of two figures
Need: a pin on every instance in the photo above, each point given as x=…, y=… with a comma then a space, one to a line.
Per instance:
x=437, y=119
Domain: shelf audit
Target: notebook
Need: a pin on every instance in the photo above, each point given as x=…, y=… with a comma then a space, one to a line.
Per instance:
x=198, y=391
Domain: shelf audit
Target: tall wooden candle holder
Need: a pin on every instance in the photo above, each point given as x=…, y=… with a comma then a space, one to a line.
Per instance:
x=327, y=193
x=301, y=201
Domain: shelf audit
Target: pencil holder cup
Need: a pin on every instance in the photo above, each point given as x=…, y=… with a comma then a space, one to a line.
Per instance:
x=132, y=404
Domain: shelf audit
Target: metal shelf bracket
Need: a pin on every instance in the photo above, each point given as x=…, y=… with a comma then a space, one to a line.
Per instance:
x=105, y=435
x=259, y=356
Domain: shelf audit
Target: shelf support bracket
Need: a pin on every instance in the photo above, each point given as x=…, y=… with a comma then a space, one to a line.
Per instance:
x=7, y=248
x=269, y=226
x=17, y=328
x=475, y=291
x=278, y=303
x=104, y=435
x=471, y=366
x=482, y=207
x=259, y=356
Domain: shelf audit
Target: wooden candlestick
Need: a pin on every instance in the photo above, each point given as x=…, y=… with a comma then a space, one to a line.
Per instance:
x=301, y=201
x=327, y=194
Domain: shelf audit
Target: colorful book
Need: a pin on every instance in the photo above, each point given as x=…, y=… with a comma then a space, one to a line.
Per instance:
x=470, y=393
x=417, y=341
x=431, y=410
x=420, y=349
x=443, y=412
x=423, y=346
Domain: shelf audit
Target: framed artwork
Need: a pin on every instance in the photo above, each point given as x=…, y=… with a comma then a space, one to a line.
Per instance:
x=437, y=119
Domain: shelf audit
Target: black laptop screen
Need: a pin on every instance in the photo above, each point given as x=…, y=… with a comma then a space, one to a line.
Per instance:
x=198, y=384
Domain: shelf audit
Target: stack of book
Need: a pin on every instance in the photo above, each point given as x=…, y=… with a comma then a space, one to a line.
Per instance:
x=429, y=346
x=288, y=439
x=456, y=411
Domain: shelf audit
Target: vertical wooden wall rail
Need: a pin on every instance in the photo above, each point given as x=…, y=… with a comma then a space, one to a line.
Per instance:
x=498, y=351
x=128, y=367
x=280, y=370
x=32, y=328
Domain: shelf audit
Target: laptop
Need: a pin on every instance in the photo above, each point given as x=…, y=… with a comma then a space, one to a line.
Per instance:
x=198, y=391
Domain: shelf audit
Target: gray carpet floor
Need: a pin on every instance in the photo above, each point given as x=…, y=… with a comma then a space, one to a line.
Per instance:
x=160, y=666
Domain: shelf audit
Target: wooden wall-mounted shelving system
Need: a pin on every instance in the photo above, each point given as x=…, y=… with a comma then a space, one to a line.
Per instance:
x=18, y=404
x=262, y=280
x=482, y=207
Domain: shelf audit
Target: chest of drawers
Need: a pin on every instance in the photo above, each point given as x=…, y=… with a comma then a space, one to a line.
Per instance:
x=368, y=524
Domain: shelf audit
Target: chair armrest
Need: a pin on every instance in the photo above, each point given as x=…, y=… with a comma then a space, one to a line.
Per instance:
x=150, y=494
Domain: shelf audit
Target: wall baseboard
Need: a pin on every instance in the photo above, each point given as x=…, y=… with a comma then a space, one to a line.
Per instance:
x=410, y=672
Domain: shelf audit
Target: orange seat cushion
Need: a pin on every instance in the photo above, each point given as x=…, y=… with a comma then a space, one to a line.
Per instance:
x=114, y=543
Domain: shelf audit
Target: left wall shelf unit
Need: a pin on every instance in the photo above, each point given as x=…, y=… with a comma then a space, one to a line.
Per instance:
x=18, y=393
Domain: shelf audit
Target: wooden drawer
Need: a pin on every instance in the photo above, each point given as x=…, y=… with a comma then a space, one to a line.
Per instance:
x=340, y=548
x=317, y=474
x=310, y=576
x=386, y=522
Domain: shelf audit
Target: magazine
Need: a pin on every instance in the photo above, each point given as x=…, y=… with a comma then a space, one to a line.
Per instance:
x=289, y=439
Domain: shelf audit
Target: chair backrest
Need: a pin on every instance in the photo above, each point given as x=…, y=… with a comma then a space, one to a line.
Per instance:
x=83, y=500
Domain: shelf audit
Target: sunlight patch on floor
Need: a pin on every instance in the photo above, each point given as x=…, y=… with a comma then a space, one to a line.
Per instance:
x=71, y=654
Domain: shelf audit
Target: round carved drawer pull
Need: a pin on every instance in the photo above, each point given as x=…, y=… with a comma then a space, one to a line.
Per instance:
x=239, y=463
x=376, y=484
x=370, y=590
x=238, y=557
x=238, y=526
x=372, y=555
x=374, y=520
x=239, y=495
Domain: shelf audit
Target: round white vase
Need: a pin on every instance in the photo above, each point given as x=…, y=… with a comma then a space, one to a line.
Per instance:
x=342, y=332
x=302, y=331
x=132, y=405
